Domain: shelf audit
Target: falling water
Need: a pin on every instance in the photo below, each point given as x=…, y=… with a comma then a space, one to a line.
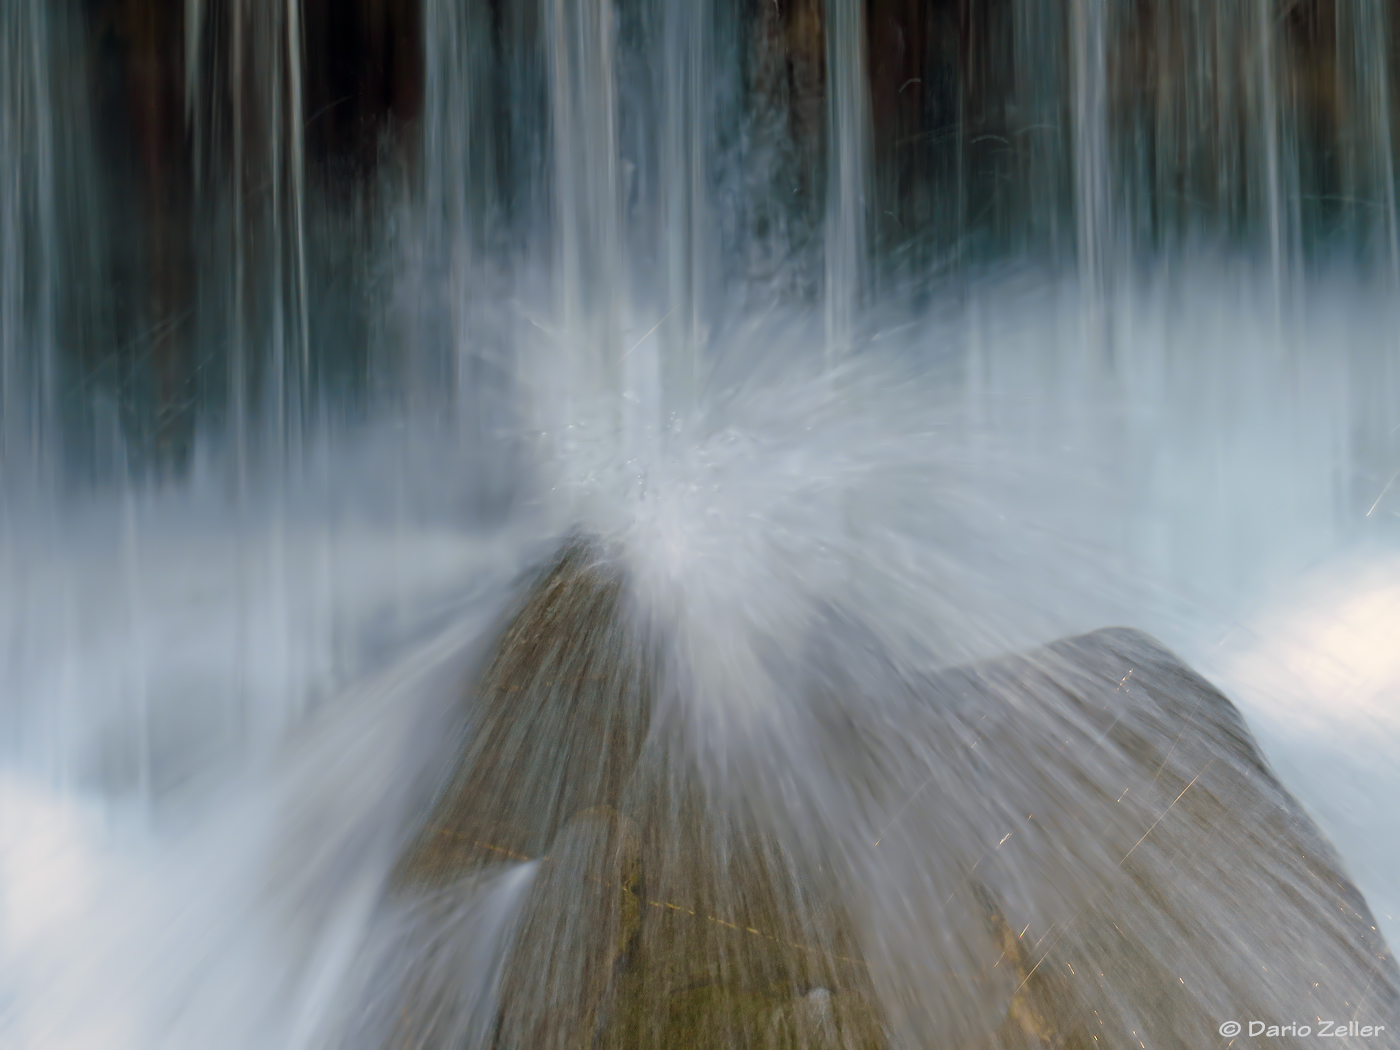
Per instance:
x=244, y=110
x=28, y=268
x=613, y=542
x=1091, y=201
x=688, y=240
x=588, y=191
x=1369, y=164
x=848, y=150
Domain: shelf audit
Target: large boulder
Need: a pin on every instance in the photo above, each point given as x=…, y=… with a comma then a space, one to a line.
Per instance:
x=1079, y=846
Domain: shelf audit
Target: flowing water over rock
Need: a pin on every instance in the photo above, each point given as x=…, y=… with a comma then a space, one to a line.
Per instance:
x=1079, y=845
x=602, y=523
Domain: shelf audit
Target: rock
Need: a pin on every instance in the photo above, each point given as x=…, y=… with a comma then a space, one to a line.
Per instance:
x=1210, y=898
x=557, y=721
x=1103, y=858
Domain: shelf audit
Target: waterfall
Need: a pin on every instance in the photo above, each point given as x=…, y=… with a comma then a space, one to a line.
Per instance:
x=588, y=187
x=245, y=112
x=1364, y=79
x=1094, y=225
x=655, y=164
x=29, y=249
x=522, y=518
x=848, y=151
x=688, y=241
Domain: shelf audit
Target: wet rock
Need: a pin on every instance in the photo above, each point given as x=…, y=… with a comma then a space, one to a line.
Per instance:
x=1075, y=847
x=558, y=718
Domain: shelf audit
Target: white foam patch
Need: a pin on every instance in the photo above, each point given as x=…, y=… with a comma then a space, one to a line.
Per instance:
x=1325, y=659
x=58, y=880
x=1317, y=673
x=47, y=862
x=271, y=675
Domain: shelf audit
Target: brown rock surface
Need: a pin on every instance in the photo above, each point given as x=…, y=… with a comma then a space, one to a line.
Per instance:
x=1144, y=912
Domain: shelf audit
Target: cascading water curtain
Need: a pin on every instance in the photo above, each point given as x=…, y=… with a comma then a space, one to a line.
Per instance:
x=29, y=249
x=848, y=153
x=461, y=206
x=688, y=242
x=246, y=120
x=590, y=282
x=1367, y=155
x=1093, y=206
